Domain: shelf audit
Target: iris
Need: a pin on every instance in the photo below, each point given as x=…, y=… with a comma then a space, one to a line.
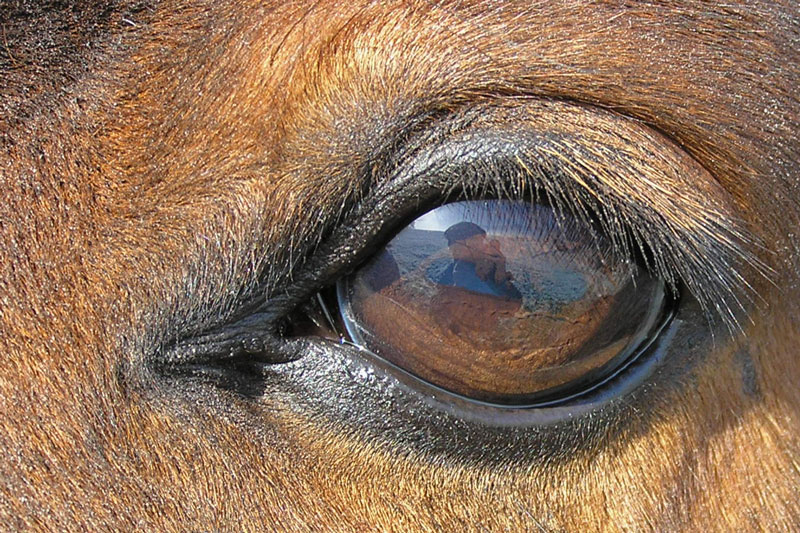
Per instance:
x=505, y=302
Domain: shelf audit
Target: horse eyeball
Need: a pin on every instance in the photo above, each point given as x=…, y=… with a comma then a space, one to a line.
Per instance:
x=506, y=302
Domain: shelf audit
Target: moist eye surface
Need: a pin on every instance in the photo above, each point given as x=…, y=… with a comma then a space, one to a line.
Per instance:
x=506, y=302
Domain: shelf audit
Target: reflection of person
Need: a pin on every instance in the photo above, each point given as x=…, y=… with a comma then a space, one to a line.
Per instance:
x=478, y=264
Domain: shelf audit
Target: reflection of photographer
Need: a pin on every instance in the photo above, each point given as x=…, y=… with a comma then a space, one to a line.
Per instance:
x=478, y=264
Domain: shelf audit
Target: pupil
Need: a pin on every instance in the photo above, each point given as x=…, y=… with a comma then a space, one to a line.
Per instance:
x=501, y=301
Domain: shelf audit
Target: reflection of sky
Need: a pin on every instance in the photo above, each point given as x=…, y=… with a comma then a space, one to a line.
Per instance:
x=496, y=217
x=440, y=218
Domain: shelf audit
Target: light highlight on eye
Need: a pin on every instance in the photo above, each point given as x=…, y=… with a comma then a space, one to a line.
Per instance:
x=502, y=301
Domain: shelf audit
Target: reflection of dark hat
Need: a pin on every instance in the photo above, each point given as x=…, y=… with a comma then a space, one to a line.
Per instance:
x=461, y=231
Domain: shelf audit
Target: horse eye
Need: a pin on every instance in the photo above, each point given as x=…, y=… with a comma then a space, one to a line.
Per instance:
x=505, y=302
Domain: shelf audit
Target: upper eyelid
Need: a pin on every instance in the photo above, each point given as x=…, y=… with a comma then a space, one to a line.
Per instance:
x=647, y=194
x=578, y=155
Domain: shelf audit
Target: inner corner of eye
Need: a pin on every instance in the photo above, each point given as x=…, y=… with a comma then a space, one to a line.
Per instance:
x=502, y=301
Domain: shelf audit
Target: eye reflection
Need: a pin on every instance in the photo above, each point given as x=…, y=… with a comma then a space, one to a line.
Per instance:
x=502, y=301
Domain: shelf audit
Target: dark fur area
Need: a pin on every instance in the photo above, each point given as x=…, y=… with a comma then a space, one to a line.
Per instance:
x=46, y=47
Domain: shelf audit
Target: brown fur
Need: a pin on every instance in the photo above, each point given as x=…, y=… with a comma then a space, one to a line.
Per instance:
x=159, y=161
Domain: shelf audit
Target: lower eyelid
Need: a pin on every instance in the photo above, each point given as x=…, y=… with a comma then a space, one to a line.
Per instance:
x=373, y=395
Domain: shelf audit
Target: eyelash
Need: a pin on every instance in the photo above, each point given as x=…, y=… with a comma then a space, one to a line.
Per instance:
x=709, y=271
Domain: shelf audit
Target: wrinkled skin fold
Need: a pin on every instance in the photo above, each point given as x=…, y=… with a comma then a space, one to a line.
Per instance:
x=170, y=168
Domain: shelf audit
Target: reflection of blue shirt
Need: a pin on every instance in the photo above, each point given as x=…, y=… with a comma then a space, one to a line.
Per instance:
x=544, y=287
x=462, y=274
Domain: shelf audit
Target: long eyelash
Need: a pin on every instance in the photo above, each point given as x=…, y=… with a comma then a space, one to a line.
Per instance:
x=706, y=258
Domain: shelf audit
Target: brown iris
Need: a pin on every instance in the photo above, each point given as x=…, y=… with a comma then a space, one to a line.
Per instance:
x=502, y=301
